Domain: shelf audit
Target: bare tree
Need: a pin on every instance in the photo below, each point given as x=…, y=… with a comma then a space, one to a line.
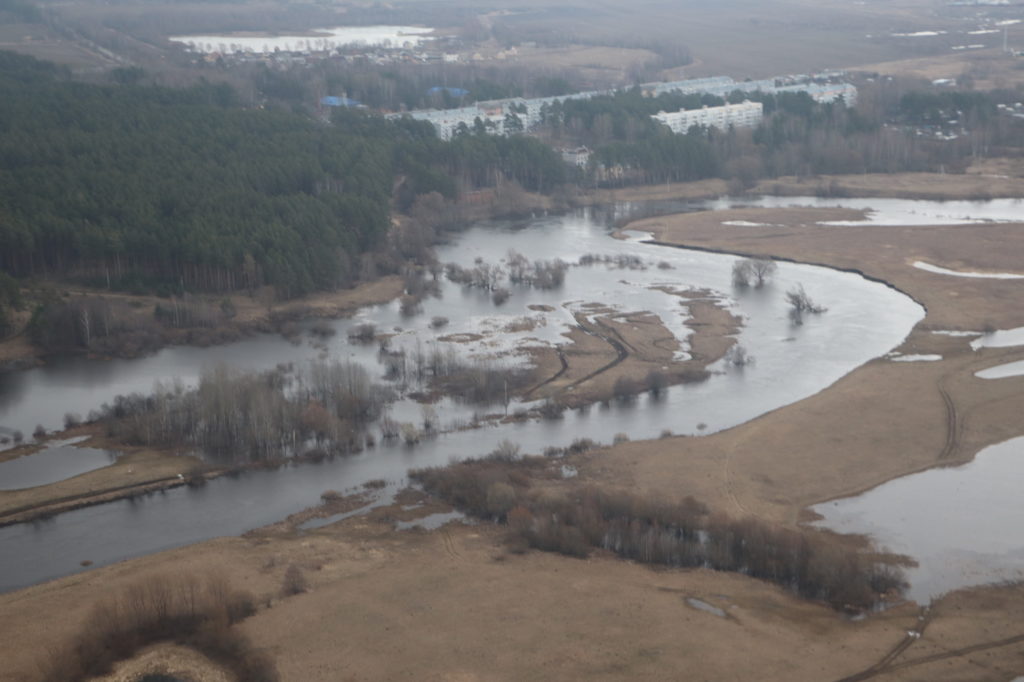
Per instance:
x=801, y=303
x=762, y=269
x=756, y=271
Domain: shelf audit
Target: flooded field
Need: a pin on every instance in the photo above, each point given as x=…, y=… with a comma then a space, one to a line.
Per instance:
x=961, y=524
x=792, y=362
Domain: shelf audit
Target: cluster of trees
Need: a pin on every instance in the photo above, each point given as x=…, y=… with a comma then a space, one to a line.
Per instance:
x=683, y=534
x=148, y=187
x=10, y=301
x=797, y=136
x=248, y=417
x=182, y=608
x=752, y=271
x=519, y=270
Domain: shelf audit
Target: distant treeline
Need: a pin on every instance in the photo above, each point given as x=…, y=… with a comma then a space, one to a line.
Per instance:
x=891, y=130
x=148, y=187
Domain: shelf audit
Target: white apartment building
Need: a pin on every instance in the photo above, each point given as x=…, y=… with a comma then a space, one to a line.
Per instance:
x=743, y=115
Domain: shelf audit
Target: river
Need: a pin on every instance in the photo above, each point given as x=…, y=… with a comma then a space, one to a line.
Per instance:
x=864, y=320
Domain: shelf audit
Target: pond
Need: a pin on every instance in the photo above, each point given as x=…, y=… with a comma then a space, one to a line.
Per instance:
x=55, y=462
x=865, y=320
x=962, y=524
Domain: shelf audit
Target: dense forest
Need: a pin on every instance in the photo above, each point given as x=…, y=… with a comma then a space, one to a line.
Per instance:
x=147, y=187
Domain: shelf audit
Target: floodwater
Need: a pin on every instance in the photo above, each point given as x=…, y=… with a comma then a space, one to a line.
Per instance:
x=57, y=461
x=1010, y=369
x=1002, y=338
x=963, y=524
x=905, y=212
x=865, y=320
x=318, y=40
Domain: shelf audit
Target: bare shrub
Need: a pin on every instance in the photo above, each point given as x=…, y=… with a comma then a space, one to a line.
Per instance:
x=410, y=305
x=741, y=273
x=737, y=356
x=551, y=410
x=506, y=451
x=363, y=333
x=438, y=321
x=375, y=484
x=410, y=434
x=158, y=608
x=330, y=496
x=294, y=581
x=18, y=436
x=501, y=497
x=656, y=381
x=322, y=329
x=625, y=389
x=800, y=303
x=500, y=295
x=71, y=420
x=581, y=445
x=39, y=432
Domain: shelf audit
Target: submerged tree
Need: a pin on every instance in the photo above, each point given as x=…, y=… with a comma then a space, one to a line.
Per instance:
x=801, y=303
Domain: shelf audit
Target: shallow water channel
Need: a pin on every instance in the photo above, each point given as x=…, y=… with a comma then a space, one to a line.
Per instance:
x=864, y=320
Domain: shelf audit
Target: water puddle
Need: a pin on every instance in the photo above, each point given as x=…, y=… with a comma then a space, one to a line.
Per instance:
x=892, y=212
x=1003, y=338
x=962, y=525
x=58, y=461
x=928, y=267
x=385, y=497
x=1010, y=369
x=704, y=606
x=432, y=522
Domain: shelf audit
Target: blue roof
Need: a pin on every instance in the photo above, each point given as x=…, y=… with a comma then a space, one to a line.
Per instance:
x=331, y=101
x=454, y=92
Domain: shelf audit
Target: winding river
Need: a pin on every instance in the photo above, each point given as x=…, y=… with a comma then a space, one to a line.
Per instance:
x=864, y=320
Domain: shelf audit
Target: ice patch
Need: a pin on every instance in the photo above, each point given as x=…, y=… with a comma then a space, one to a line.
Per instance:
x=928, y=267
x=895, y=357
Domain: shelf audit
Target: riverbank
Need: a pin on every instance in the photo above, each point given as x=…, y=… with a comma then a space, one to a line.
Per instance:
x=251, y=314
x=368, y=585
x=605, y=618
x=883, y=420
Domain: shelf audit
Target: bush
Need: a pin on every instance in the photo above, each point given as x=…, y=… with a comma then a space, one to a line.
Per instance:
x=625, y=389
x=294, y=581
x=363, y=333
x=500, y=295
x=162, y=608
x=71, y=420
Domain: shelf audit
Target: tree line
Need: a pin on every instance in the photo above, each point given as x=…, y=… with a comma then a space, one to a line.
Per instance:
x=797, y=136
x=173, y=190
x=686, y=533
